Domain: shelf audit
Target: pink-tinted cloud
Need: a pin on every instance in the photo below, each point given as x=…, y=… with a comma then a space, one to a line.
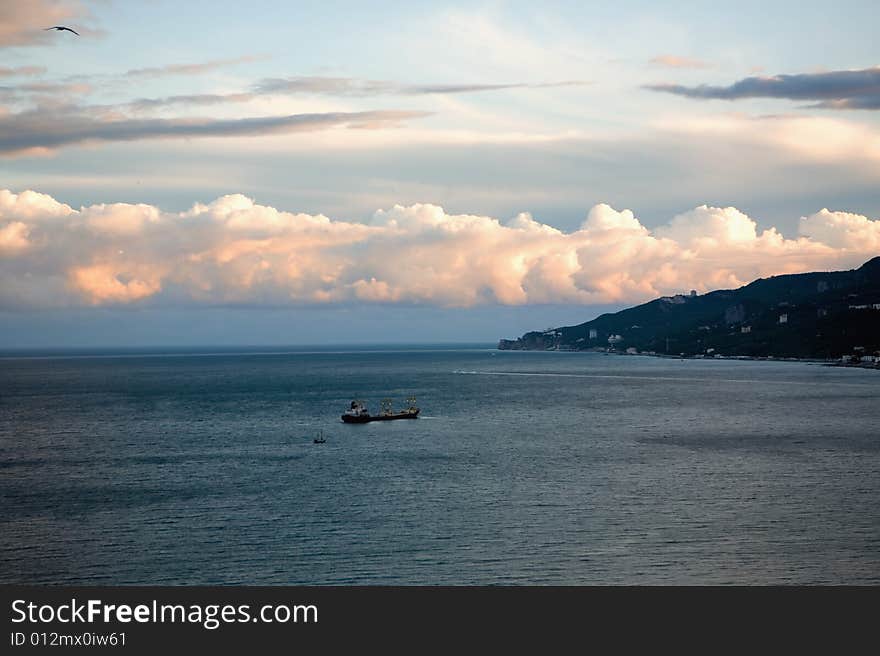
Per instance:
x=20, y=71
x=677, y=61
x=14, y=237
x=24, y=22
x=236, y=251
x=192, y=68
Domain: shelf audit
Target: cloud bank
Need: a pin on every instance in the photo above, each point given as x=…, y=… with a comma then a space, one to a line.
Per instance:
x=52, y=118
x=859, y=89
x=45, y=129
x=234, y=251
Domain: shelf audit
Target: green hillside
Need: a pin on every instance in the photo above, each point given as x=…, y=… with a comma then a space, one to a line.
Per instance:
x=808, y=315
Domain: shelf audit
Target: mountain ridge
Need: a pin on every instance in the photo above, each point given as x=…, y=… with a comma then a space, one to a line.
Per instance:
x=806, y=315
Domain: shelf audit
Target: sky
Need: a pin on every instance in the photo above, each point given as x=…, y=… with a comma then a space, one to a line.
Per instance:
x=231, y=173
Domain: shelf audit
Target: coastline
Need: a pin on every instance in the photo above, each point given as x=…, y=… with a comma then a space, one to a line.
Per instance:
x=827, y=362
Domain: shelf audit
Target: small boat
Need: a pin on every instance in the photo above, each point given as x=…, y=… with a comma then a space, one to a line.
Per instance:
x=358, y=413
x=320, y=438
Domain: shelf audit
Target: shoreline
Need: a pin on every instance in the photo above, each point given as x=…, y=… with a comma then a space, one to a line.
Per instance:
x=757, y=358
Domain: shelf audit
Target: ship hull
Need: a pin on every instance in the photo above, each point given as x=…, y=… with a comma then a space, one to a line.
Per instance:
x=363, y=419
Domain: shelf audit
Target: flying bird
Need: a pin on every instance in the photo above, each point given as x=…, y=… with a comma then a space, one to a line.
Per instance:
x=61, y=28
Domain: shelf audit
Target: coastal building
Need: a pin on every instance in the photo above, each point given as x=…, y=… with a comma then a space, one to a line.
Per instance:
x=593, y=333
x=783, y=318
x=745, y=329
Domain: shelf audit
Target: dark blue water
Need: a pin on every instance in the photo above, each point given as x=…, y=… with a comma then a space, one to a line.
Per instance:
x=525, y=468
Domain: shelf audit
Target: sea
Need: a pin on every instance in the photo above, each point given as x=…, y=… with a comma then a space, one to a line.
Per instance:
x=198, y=466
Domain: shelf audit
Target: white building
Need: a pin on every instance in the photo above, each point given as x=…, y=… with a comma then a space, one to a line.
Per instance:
x=783, y=318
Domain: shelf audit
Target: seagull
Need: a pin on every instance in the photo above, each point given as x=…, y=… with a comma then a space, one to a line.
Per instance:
x=61, y=28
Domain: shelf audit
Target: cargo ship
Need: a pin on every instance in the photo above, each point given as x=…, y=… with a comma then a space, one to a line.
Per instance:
x=358, y=413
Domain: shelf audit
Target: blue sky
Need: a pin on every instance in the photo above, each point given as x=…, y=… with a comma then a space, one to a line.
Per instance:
x=487, y=111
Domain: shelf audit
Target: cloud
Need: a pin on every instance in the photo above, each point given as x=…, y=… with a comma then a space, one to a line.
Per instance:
x=47, y=89
x=804, y=139
x=475, y=88
x=19, y=71
x=192, y=69
x=865, y=102
x=343, y=86
x=23, y=23
x=42, y=130
x=332, y=86
x=234, y=251
x=676, y=61
x=14, y=237
x=857, y=89
x=842, y=230
x=719, y=225
x=189, y=99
